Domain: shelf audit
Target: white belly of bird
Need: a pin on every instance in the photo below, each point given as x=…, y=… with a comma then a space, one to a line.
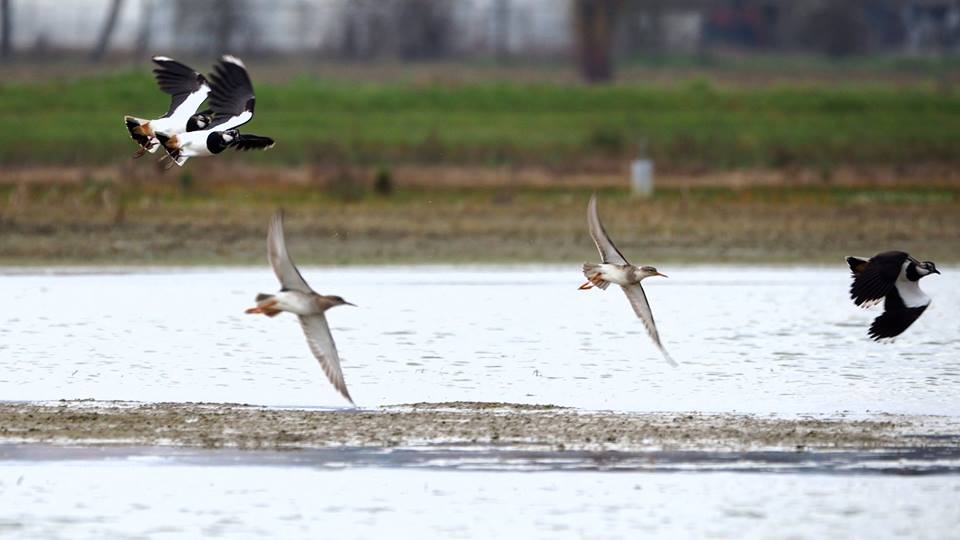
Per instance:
x=614, y=274
x=295, y=302
x=194, y=143
x=169, y=126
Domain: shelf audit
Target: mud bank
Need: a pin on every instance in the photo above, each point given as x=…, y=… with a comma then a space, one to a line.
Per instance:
x=470, y=424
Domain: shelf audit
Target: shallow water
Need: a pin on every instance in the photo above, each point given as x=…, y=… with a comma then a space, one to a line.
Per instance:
x=764, y=340
x=146, y=497
x=767, y=340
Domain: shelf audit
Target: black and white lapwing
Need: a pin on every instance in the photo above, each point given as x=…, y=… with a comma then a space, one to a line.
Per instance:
x=893, y=277
x=232, y=102
x=614, y=268
x=297, y=297
x=188, y=90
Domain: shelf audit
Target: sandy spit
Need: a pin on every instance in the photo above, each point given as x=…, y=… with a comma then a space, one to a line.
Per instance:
x=208, y=425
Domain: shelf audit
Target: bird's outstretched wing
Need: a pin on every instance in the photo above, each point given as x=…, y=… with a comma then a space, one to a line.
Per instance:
x=321, y=344
x=896, y=316
x=638, y=299
x=877, y=278
x=244, y=142
x=608, y=252
x=283, y=267
x=231, y=94
x=187, y=87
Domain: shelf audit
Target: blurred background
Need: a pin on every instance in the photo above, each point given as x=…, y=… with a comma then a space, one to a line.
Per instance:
x=474, y=130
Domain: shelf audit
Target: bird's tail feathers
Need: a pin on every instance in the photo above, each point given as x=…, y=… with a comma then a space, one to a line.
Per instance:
x=133, y=124
x=857, y=264
x=266, y=305
x=169, y=142
x=592, y=272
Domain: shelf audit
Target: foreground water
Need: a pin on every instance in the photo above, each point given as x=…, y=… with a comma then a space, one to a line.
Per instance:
x=769, y=340
x=764, y=340
x=74, y=500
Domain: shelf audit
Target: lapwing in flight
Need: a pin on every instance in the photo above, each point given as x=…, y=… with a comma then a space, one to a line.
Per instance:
x=892, y=277
x=232, y=102
x=297, y=297
x=614, y=268
x=188, y=90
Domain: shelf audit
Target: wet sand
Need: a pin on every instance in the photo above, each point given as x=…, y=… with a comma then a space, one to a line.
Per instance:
x=504, y=425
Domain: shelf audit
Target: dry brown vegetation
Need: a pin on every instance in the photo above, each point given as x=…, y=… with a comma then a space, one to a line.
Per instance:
x=336, y=217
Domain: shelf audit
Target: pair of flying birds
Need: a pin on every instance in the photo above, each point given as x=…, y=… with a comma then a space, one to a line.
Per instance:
x=890, y=277
x=182, y=131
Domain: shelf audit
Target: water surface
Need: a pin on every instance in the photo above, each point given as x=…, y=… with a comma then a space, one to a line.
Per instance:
x=762, y=340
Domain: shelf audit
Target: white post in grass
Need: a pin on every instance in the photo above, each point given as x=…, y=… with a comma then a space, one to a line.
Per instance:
x=641, y=177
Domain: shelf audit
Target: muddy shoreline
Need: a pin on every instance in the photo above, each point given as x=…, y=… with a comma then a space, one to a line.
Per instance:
x=531, y=427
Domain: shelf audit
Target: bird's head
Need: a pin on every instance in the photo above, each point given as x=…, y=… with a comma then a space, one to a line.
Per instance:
x=648, y=271
x=199, y=122
x=926, y=268
x=229, y=135
x=339, y=301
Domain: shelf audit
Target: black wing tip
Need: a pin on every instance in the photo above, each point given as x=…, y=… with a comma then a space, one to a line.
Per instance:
x=893, y=323
x=245, y=143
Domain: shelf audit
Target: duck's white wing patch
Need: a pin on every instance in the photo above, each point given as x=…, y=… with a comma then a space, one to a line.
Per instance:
x=638, y=300
x=321, y=344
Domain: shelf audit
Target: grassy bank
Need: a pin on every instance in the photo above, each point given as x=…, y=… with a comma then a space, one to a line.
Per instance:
x=222, y=223
x=690, y=125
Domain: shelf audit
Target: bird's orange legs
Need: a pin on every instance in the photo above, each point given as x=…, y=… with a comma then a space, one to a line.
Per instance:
x=266, y=308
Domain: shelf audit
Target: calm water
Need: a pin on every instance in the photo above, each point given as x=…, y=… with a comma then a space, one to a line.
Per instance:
x=146, y=498
x=752, y=340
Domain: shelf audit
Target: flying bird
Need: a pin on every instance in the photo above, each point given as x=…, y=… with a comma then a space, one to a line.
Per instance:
x=188, y=90
x=614, y=268
x=232, y=102
x=893, y=277
x=297, y=297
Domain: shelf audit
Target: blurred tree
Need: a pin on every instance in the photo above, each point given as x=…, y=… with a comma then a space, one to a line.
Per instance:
x=501, y=18
x=6, y=29
x=594, y=24
x=838, y=28
x=409, y=29
x=227, y=16
x=103, y=42
x=424, y=28
x=142, y=44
